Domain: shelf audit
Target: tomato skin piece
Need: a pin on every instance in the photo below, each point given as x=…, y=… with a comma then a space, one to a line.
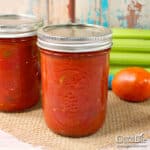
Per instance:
x=132, y=84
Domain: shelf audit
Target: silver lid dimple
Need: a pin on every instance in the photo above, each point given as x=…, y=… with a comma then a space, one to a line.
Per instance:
x=14, y=26
x=73, y=38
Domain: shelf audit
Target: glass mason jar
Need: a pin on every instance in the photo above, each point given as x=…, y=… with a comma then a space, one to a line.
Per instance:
x=19, y=65
x=75, y=64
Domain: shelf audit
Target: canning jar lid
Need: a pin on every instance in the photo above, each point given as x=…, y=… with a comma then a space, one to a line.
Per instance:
x=73, y=38
x=15, y=26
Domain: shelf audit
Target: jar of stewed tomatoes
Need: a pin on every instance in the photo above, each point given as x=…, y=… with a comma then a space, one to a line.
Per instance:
x=19, y=65
x=75, y=65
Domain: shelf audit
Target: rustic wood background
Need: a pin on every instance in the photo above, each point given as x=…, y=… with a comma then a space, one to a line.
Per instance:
x=114, y=13
x=120, y=13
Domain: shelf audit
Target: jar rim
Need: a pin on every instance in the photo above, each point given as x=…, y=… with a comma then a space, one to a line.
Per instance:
x=15, y=26
x=73, y=38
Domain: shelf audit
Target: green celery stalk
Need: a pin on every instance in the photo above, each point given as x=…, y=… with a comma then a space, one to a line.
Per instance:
x=114, y=69
x=130, y=33
x=131, y=45
x=124, y=58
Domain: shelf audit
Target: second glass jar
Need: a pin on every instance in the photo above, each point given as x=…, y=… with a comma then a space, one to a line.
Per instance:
x=19, y=65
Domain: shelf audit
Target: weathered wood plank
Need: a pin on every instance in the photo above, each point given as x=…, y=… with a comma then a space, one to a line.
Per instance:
x=88, y=11
x=25, y=7
x=71, y=10
x=58, y=11
x=13, y=6
x=105, y=12
x=120, y=13
x=129, y=13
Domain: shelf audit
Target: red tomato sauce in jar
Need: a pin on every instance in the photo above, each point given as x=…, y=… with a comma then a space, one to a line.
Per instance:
x=74, y=79
x=19, y=70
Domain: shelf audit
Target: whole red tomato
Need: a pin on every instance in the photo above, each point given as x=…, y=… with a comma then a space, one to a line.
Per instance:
x=132, y=84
